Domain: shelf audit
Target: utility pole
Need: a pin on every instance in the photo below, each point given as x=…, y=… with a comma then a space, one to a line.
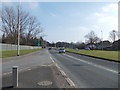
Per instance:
x=102, y=38
x=18, y=43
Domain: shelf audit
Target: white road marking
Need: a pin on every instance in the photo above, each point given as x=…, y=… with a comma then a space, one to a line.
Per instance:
x=27, y=68
x=93, y=64
x=70, y=82
x=63, y=73
x=7, y=73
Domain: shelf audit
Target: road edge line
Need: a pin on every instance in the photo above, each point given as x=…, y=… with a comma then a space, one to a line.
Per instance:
x=68, y=80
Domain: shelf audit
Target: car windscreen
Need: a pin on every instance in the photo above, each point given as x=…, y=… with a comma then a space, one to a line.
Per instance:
x=61, y=49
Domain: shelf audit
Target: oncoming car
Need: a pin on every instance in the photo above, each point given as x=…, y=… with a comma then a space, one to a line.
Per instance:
x=61, y=50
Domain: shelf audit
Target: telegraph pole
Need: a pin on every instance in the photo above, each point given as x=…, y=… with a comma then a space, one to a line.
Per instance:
x=18, y=43
x=102, y=38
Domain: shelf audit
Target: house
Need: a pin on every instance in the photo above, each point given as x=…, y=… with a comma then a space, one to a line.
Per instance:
x=105, y=45
x=116, y=45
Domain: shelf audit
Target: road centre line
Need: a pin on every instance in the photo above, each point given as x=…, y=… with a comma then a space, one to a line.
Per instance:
x=93, y=64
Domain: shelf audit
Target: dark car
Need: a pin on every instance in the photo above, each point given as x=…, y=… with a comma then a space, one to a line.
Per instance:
x=49, y=48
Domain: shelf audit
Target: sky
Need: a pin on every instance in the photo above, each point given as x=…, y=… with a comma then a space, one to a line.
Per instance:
x=71, y=21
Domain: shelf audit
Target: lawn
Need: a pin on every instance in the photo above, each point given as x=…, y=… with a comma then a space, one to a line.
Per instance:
x=5, y=54
x=112, y=55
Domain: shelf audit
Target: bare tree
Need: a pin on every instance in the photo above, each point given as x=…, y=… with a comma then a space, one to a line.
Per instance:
x=92, y=37
x=29, y=26
x=10, y=23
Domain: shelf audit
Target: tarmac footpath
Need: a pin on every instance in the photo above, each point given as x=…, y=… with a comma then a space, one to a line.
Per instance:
x=37, y=77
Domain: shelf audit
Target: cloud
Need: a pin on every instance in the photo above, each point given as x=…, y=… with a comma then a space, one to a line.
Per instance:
x=110, y=7
x=82, y=28
x=108, y=16
x=78, y=29
x=53, y=15
x=33, y=5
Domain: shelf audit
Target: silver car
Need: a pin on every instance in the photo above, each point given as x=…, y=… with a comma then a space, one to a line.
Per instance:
x=61, y=50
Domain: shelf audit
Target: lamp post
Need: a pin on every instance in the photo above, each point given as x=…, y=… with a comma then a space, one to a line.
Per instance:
x=114, y=35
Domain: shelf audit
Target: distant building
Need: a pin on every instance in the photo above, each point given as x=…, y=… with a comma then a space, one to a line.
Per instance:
x=105, y=45
x=90, y=47
x=116, y=45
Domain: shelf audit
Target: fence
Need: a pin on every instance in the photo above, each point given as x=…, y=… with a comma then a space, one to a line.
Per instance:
x=7, y=47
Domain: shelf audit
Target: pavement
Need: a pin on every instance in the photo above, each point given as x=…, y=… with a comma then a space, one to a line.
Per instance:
x=35, y=71
x=37, y=77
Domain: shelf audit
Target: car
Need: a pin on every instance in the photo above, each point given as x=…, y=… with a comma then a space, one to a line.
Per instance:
x=61, y=50
x=87, y=48
x=49, y=48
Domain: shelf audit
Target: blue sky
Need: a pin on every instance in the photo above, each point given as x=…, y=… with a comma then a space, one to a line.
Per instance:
x=71, y=21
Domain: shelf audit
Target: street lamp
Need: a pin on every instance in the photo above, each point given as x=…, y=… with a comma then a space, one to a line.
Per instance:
x=114, y=35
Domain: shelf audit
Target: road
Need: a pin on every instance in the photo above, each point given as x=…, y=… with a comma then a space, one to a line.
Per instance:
x=33, y=68
x=87, y=72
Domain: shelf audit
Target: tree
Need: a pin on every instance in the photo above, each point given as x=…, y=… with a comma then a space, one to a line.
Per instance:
x=80, y=45
x=33, y=30
x=92, y=37
x=29, y=26
x=3, y=38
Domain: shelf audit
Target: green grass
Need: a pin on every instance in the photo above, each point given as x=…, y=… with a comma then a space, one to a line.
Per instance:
x=112, y=55
x=12, y=53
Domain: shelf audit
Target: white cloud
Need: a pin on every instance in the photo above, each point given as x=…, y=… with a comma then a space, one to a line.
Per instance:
x=79, y=29
x=107, y=19
x=33, y=5
x=110, y=7
x=108, y=16
x=99, y=14
x=53, y=15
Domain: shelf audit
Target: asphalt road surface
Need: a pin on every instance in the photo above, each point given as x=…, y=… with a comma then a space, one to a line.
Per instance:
x=33, y=68
x=87, y=72
x=34, y=59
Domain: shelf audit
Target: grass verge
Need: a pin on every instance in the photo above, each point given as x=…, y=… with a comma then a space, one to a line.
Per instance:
x=112, y=55
x=12, y=53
